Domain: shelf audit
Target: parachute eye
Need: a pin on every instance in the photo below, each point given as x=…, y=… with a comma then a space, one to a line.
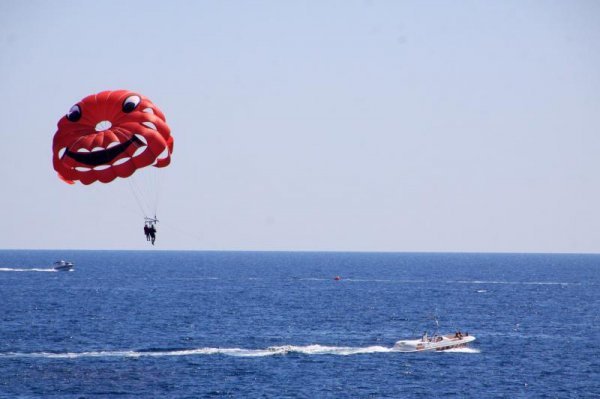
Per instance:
x=74, y=113
x=131, y=103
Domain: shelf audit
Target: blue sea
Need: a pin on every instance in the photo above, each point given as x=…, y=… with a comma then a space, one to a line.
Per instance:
x=161, y=324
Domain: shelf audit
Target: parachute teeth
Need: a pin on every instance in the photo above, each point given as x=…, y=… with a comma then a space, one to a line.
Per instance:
x=121, y=161
x=98, y=149
x=164, y=154
x=62, y=152
x=83, y=150
x=114, y=143
x=148, y=110
x=139, y=151
x=150, y=125
x=102, y=167
x=142, y=139
x=82, y=169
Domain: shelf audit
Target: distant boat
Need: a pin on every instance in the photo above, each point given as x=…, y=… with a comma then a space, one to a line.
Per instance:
x=63, y=265
x=434, y=343
x=337, y=278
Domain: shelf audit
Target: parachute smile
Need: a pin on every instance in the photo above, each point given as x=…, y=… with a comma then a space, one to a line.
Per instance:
x=101, y=158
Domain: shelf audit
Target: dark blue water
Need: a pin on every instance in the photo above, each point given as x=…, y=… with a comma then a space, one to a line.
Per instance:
x=202, y=324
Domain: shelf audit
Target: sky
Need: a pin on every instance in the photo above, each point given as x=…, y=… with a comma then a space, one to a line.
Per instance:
x=410, y=126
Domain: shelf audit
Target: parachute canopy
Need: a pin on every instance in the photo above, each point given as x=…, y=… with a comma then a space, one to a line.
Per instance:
x=108, y=135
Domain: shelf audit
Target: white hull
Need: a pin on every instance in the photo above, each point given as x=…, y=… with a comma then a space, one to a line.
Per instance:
x=63, y=268
x=435, y=343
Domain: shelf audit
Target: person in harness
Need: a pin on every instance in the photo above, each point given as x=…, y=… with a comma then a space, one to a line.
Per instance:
x=152, y=233
x=150, y=229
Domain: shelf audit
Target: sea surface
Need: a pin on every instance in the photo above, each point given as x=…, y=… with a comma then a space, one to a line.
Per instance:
x=160, y=324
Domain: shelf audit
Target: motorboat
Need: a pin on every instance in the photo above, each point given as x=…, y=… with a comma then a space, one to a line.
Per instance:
x=63, y=265
x=435, y=342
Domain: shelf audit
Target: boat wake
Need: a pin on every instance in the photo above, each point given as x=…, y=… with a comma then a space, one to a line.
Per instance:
x=462, y=350
x=512, y=282
x=237, y=352
x=13, y=269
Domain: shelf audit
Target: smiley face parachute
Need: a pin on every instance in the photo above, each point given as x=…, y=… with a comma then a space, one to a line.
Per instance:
x=108, y=135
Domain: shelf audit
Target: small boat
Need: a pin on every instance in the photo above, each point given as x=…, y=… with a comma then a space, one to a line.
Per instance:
x=63, y=265
x=434, y=343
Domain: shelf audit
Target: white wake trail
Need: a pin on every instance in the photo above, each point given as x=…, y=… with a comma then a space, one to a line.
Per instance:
x=463, y=350
x=14, y=269
x=282, y=350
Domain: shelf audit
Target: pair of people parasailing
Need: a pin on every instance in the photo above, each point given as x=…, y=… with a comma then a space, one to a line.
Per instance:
x=150, y=232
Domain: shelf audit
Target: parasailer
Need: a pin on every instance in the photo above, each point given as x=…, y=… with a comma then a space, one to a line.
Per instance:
x=152, y=232
x=108, y=135
x=147, y=231
x=150, y=229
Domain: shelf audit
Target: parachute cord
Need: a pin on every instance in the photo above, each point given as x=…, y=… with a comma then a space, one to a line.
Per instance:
x=157, y=189
x=136, y=196
x=143, y=185
x=129, y=209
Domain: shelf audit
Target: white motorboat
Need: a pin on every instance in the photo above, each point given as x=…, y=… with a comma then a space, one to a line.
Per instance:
x=63, y=265
x=434, y=343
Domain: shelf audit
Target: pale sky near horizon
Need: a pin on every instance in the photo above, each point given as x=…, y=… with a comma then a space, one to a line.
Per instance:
x=315, y=125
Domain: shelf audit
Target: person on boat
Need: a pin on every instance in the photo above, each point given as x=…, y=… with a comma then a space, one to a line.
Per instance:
x=152, y=233
x=147, y=231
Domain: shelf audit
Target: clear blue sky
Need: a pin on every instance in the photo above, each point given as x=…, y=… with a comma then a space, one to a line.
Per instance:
x=316, y=125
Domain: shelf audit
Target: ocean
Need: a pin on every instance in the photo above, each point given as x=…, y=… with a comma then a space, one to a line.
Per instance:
x=178, y=324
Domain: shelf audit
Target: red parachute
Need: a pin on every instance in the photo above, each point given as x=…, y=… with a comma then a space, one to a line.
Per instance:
x=108, y=135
